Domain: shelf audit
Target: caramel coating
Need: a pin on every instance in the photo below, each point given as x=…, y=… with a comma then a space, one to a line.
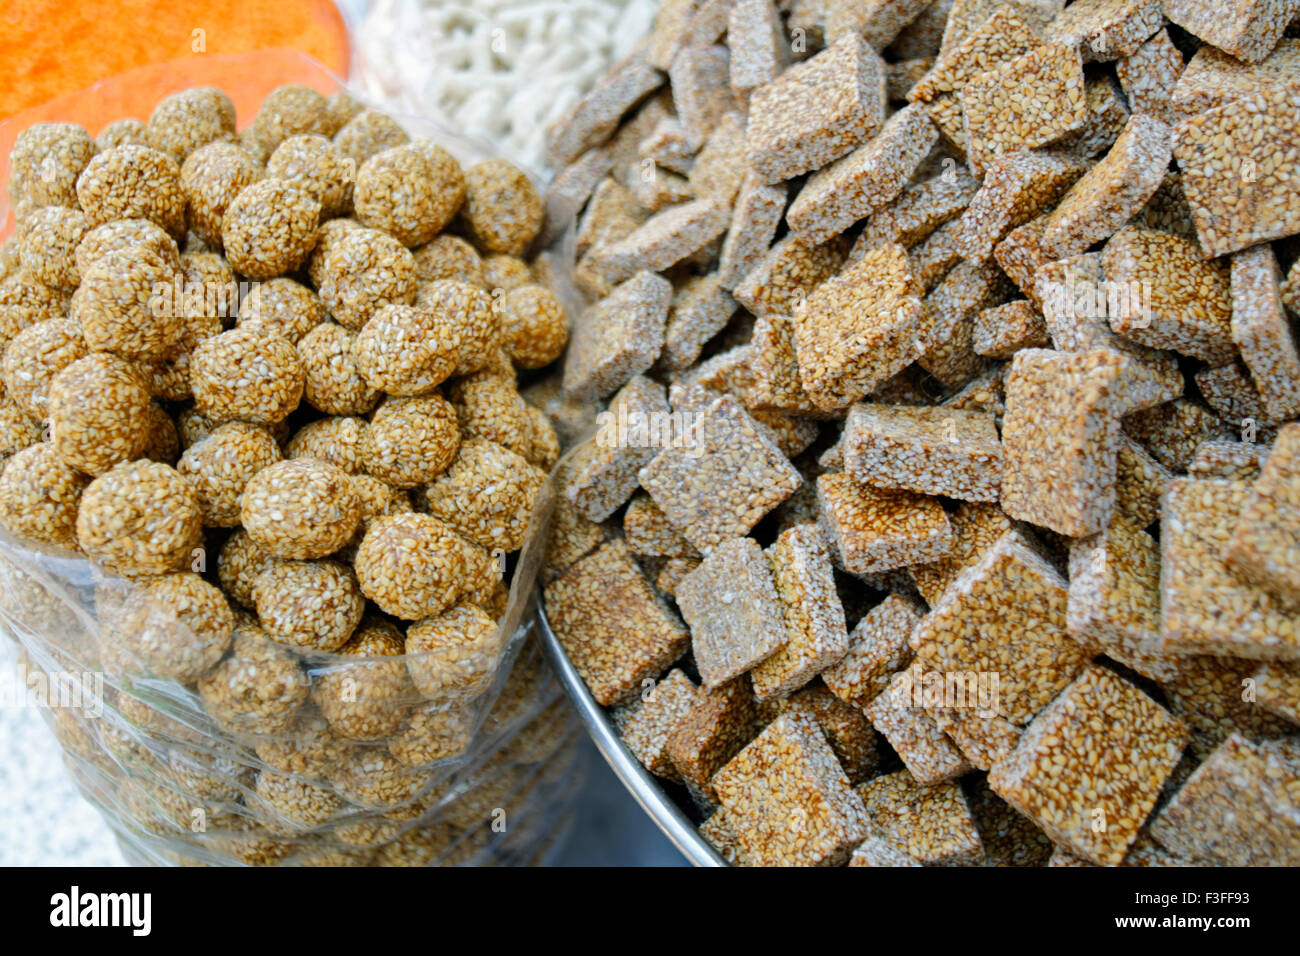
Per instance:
x=411, y=441
x=99, y=413
x=270, y=228
x=304, y=508
x=312, y=604
x=141, y=517
x=242, y=375
x=409, y=191
x=221, y=465
x=40, y=495
x=503, y=211
x=133, y=182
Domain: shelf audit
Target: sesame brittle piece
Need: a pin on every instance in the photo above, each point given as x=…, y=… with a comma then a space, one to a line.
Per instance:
x=878, y=647
x=1089, y=768
x=816, y=636
x=1265, y=545
x=931, y=450
x=788, y=800
x=816, y=111
x=650, y=719
x=931, y=824
x=721, y=483
x=611, y=624
x=874, y=529
x=603, y=473
x=617, y=338
x=1261, y=329
x=1206, y=607
x=731, y=606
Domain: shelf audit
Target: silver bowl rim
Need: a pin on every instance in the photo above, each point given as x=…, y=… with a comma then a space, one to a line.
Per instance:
x=643, y=786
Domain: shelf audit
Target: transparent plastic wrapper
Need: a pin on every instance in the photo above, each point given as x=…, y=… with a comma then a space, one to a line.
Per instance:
x=205, y=739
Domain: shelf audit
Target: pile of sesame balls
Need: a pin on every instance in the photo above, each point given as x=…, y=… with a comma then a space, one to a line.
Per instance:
x=269, y=377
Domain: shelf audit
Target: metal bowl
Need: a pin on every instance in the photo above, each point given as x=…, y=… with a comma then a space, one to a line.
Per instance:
x=644, y=786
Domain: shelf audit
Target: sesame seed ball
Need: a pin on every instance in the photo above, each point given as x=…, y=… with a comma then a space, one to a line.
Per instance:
x=367, y=133
x=487, y=495
x=414, y=566
x=449, y=257
x=433, y=732
x=184, y=121
x=209, y=287
x=209, y=773
x=453, y=655
x=24, y=302
x=409, y=191
x=11, y=258
x=405, y=350
x=177, y=626
x=333, y=383
x=546, y=442
x=378, y=499
x=126, y=240
x=163, y=444
x=327, y=234
x=242, y=375
x=221, y=465
x=293, y=805
x=490, y=407
x=99, y=413
x=124, y=132
x=282, y=307
x=307, y=748
x=316, y=165
x=239, y=563
x=270, y=228
x=34, y=357
x=505, y=273
x=40, y=495
x=120, y=310
x=311, y=604
x=141, y=517
x=17, y=430
x=287, y=111
x=304, y=508
x=372, y=777
x=364, y=270
x=337, y=440
x=192, y=426
x=162, y=725
x=257, y=688
x=168, y=376
x=366, y=701
x=493, y=597
x=46, y=160
x=339, y=108
x=469, y=317
x=411, y=441
x=49, y=243
x=133, y=182
x=503, y=210
x=533, y=325
x=211, y=177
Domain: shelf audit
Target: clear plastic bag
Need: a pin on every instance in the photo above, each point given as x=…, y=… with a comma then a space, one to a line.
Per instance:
x=237, y=750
